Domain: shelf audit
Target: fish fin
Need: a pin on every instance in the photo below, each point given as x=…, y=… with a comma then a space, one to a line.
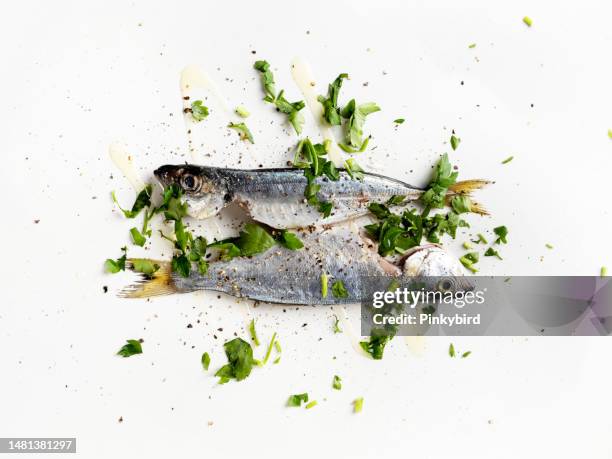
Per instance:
x=160, y=283
x=467, y=186
x=479, y=209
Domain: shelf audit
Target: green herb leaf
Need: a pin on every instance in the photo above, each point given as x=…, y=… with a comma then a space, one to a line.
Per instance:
x=243, y=130
x=181, y=265
x=443, y=177
x=290, y=240
x=142, y=265
x=469, y=259
x=331, y=111
x=253, y=332
x=297, y=399
x=358, y=405
x=142, y=200
x=507, y=160
x=114, y=266
x=356, y=115
x=254, y=239
x=137, y=237
x=491, y=252
x=502, y=233
x=205, y=361
x=269, y=350
x=399, y=121
x=451, y=350
x=267, y=79
x=379, y=338
x=311, y=404
x=466, y=354
x=242, y=112
x=198, y=110
x=337, y=382
x=337, y=328
x=353, y=169
x=338, y=290
x=461, y=204
x=132, y=347
x=454, y=141
x=240, y=360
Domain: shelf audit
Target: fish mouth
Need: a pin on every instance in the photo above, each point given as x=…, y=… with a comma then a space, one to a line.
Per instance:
x=165, y=174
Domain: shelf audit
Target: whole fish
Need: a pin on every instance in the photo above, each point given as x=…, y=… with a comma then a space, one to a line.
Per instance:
x=276, y=196
x=285, y=276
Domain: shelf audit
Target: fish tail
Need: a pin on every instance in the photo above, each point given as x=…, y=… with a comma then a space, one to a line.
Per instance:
x=159, y=283
x=465, y=188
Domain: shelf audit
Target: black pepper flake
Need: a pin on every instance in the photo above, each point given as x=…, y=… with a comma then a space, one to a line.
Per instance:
x=105, y=289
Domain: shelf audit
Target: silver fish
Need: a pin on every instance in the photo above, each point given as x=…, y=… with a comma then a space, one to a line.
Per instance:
x=276, y=196
x=285, y=276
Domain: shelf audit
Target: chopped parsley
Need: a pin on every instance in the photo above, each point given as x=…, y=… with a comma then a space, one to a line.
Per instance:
x=451, y=350
x=472, y=46
x=198, y=110
x=467, y=245
x=399, y=121
x=466, y=354
x=610, y=133
x=242, y=112
x=253, y=332
x=243, y=131
x=297, y=399
x=379, y=337
x=324, y=285
x=269, y=350
x=114, y=266
x=481, y=239
x=205, y=361
x=254, y=239
x=337, y=328
x=603, y=272
x=311, y=404
x=142, y=265
x=549, y=246
x=331, y=110
x=142, y=200
x=311, y=158
x=290, y=240
x=337, y=382
x=527, y=20
x=338, y=290
x=356, y=116
x=502, y=234
x=461, y=204
x=507, y=160
x=454, y=141
x=240, y=361
x=358, y=405
x=353, y=169
x=132, y=347
x=491, y=252
x=291, y=109
x=469, y=260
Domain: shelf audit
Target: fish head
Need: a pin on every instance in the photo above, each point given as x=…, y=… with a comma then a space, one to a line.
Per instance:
x=204, y=189
x=438, y=269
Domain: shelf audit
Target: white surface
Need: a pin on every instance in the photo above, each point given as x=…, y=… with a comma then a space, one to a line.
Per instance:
x=78, y=76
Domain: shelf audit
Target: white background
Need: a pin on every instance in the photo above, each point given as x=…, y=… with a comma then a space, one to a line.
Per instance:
x=78, y=76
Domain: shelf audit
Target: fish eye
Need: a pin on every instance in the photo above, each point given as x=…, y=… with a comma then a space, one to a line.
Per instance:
x=189, y=182
x=445, y=284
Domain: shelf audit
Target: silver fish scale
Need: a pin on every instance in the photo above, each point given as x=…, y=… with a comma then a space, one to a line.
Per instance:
x=288, y=276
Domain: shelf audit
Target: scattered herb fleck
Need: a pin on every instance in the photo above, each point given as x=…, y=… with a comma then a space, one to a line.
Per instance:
x=205, y=361
x=132, y=347
x=337, y=382
x=491, y=252
x=507, y=160
x=451, y=350
x=243, y=130
x=358, y=405
x=339, y=290
x=297, y=399
x=198, y=110
x=253, y=332
x=114, y=266
x=527, y=20
x=454, y=141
